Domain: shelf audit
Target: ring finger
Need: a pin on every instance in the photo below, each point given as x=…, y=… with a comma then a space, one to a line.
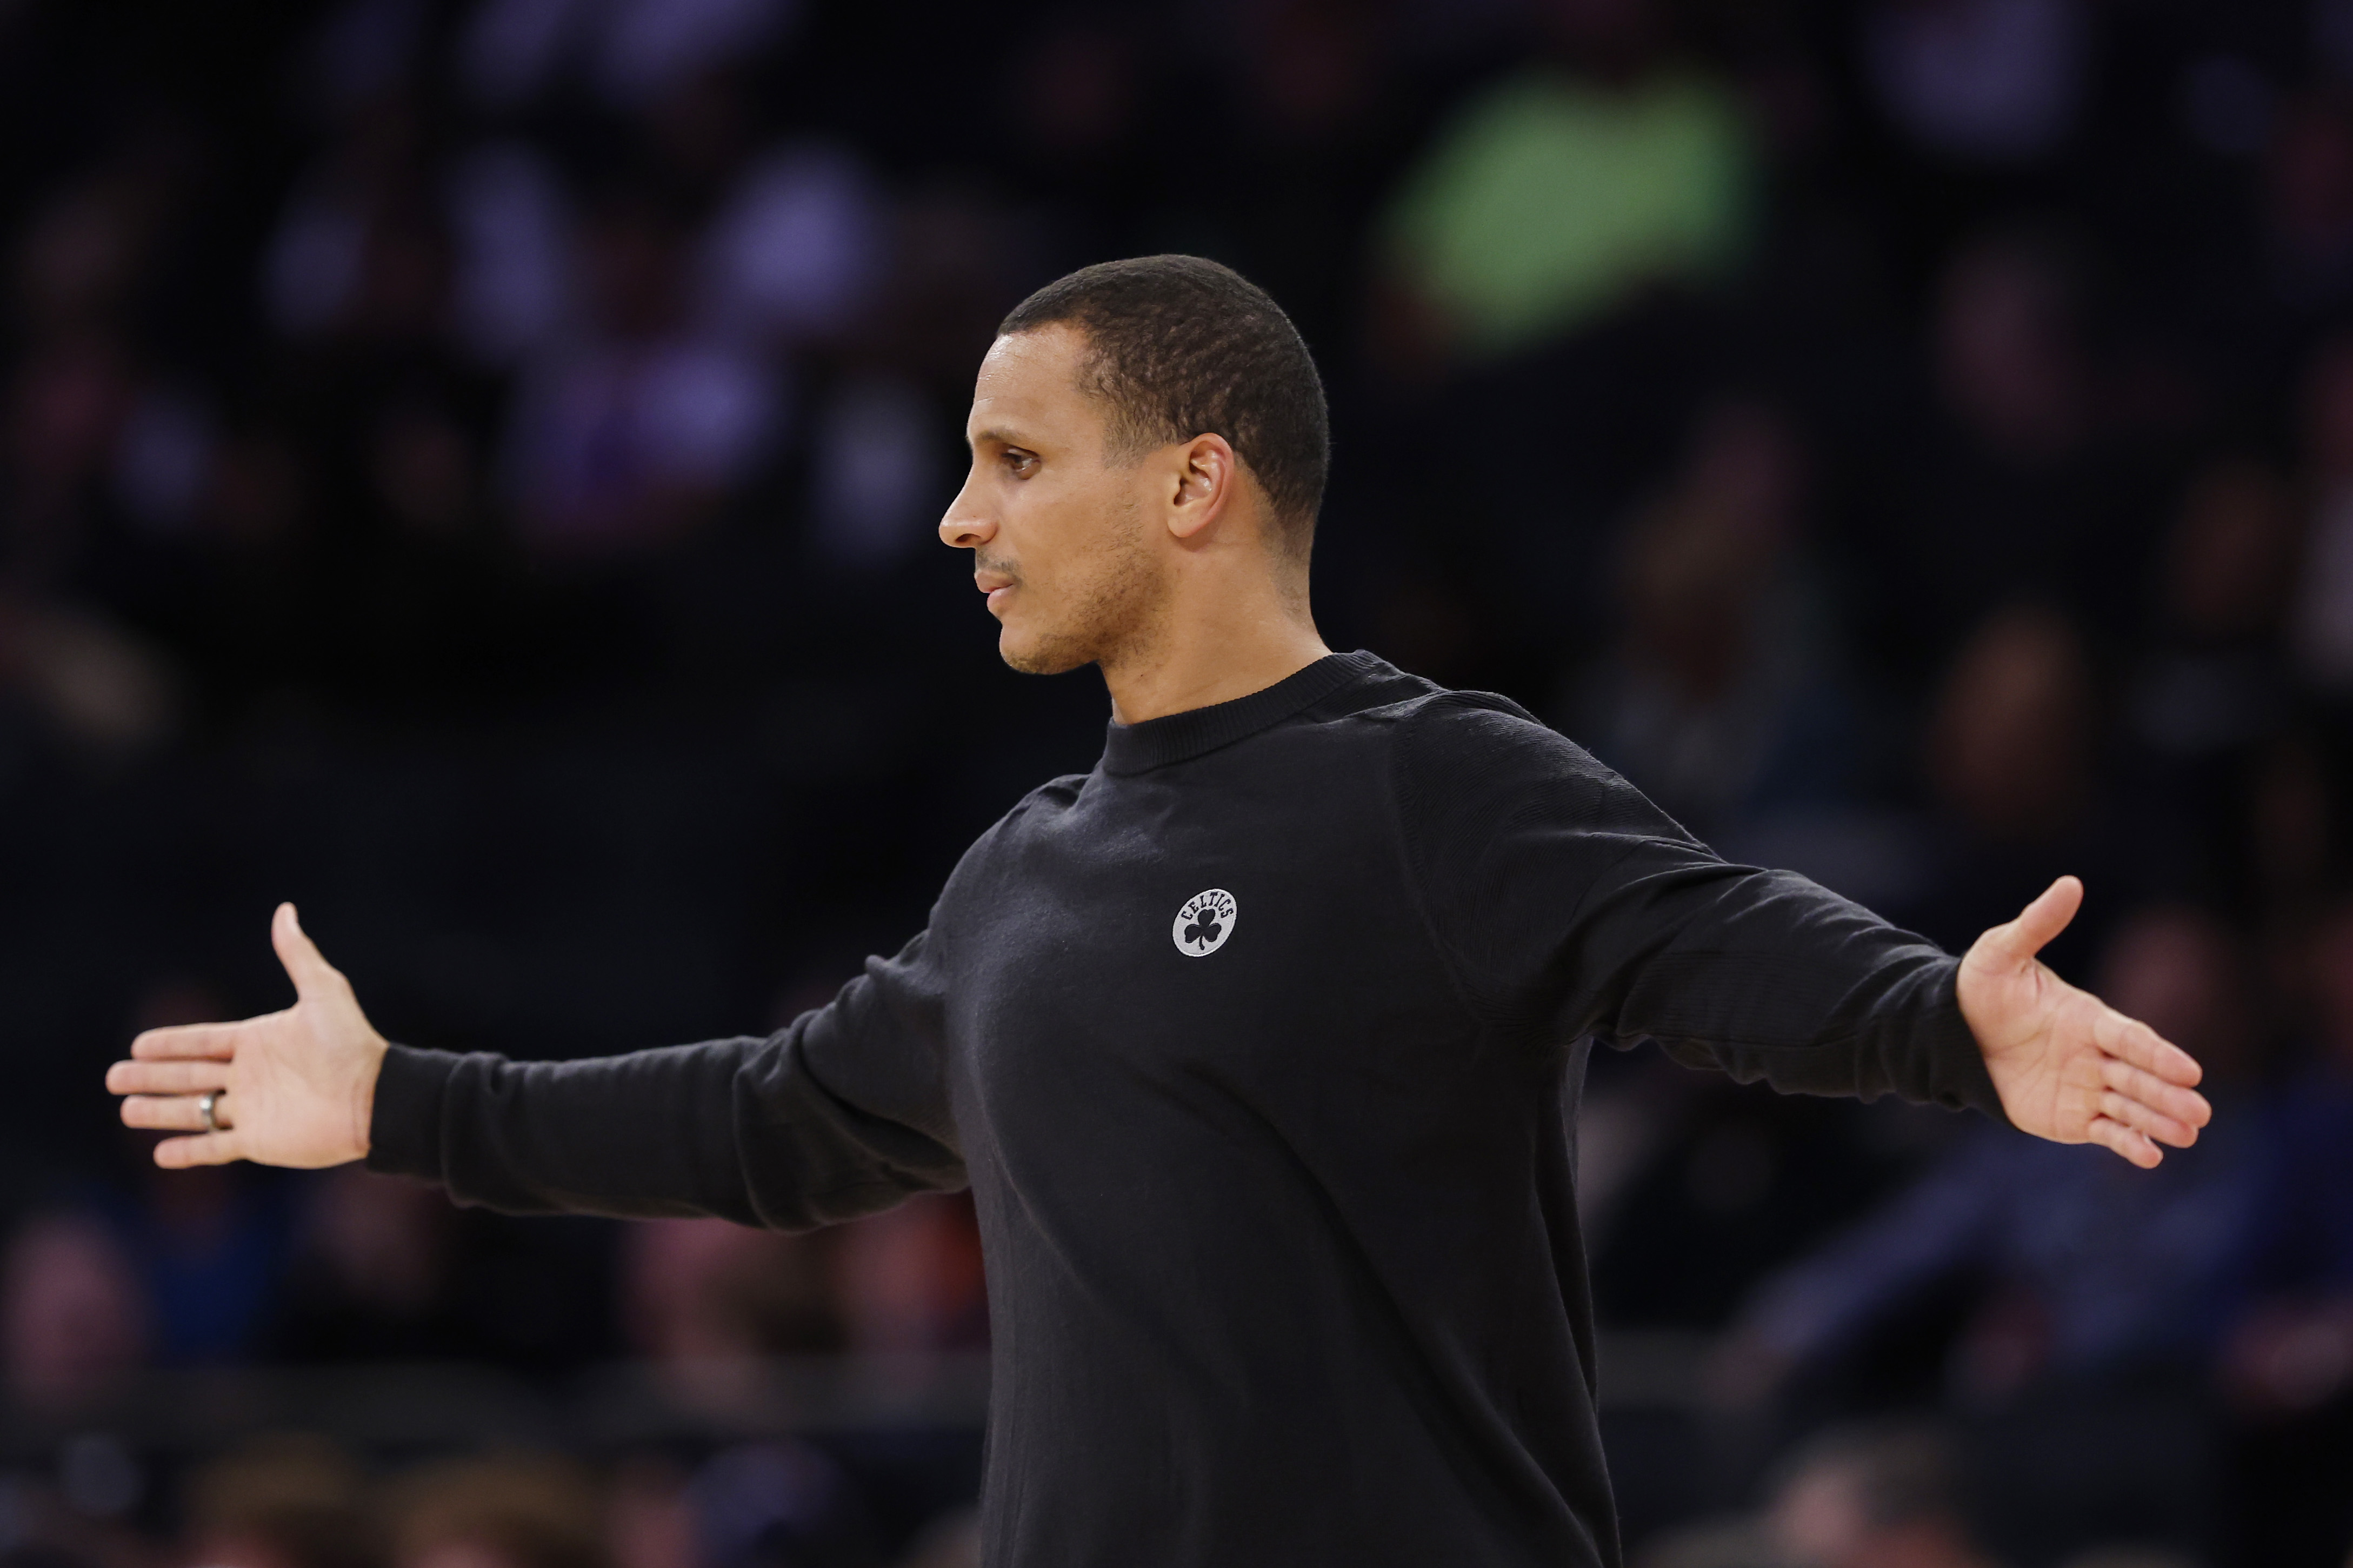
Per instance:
x=177, y=1112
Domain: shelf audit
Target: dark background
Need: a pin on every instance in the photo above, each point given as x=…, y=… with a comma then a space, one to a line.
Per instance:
x=469, y=467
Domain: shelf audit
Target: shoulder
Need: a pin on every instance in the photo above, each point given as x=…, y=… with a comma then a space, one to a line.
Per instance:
x=1039, y=807
x=1476, y=759
x=1480, y=733
x=1034, y=813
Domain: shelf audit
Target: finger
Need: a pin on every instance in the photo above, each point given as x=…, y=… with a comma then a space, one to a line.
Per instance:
x=2128, y=1039
x=2038, y=922
x=2146, y=1121
x=2132, y=1145
x=167, y=1078
x=205, y=1149
x=2186, y=1106
x=309, y=971
x=218, y=1041
x=175, y=1113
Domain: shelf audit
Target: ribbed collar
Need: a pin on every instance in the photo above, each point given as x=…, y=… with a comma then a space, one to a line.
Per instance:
x=1175, y=737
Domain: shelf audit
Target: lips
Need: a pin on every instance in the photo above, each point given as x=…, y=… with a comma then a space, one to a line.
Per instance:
x=995, y=585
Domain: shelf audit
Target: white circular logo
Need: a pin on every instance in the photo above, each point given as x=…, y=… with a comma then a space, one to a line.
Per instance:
x=1205, y=922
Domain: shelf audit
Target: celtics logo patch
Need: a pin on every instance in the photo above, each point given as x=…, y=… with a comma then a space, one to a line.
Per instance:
x=1204, y=922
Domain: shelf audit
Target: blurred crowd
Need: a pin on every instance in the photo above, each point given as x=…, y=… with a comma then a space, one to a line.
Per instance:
x=470, y=465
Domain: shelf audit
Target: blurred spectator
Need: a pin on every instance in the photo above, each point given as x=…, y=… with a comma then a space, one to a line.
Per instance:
x=2309, y=206
x=2106, y=1290
x=2010, y=762
x=513, y=287
x=1883, y=1495
x=209, y=1250
x=910, y=1279
x=1077, y=94
x=370, y=1271
x=876, y=485
x=1316, y=68
x=103, y=687
x=513, y=1511
x=626, y=439
x=2009, y=748
x=649, y=1516
x=1996, y=82
x=280, y=1503
x=1717, y=703
x=1872, y=1497
x=780, y=1502
x=632, y=51
x=2323, y=607
x=361, y=254
x=424, y=470
x=77, y=1322
x=2009, y=361
x=2211, y=687
x=2297, y=1355
x=2289, y=1362
x=2293, y=829
x=83, y=257
x=951, y=1543
x=1553, y=197
x=706, y=1301
x=67, y=401
x=795, y=253
x=360, y=53
x=2212, y=684
x=2095, y=1269
x=954, y=263
x=2008, y=486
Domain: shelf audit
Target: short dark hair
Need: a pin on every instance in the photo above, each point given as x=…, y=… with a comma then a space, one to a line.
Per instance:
x=1180, y=346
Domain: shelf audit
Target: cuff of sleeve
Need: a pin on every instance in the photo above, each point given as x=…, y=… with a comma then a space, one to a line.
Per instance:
x=1962, y=1082
x=405, y=1124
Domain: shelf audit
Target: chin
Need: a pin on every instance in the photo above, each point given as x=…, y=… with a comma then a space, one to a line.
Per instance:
x=1032, y=654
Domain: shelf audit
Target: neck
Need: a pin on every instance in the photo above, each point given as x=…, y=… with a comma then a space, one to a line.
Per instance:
x=1212, y=647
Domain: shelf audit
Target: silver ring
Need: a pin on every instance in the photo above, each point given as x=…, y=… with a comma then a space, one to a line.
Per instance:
x=210, y=1104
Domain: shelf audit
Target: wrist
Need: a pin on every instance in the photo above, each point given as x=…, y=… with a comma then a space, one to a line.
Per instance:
x=374, y=1048
x=1970, y=996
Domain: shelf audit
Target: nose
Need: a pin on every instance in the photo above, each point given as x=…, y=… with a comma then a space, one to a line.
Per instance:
x=965, y=526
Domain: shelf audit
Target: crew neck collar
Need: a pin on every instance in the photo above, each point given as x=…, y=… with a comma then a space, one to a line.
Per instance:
x=1176, y=737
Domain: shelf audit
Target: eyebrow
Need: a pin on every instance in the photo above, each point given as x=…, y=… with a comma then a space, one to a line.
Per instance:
x=1002, y=437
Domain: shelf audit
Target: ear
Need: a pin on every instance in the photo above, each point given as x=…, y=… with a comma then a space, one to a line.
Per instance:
x=1204, y=478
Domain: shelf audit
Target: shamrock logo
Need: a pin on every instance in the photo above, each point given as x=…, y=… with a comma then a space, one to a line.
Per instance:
x=1204, y=922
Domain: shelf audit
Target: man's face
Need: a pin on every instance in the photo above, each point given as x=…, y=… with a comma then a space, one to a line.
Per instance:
x=1061, y=540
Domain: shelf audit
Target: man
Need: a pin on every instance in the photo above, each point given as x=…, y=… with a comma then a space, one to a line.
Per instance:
x=1259, y=1045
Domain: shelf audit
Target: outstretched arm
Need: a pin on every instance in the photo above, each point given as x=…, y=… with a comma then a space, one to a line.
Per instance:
x=840, y=1114
x=2069, y=1066
x=1570, y=904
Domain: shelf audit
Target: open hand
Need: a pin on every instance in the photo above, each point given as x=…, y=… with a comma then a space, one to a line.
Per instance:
x=295, y=1088
x=2069, y=1066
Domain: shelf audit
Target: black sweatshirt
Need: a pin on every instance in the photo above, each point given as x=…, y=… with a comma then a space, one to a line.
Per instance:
x=1258, y=1047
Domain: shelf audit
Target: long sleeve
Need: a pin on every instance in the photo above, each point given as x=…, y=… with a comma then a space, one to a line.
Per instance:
x=1568, y=905
x=840, y=1114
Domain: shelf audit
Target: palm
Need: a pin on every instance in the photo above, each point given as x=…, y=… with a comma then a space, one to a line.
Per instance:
x=295, y=1087
x=2069, y=1066
x=291, y=1082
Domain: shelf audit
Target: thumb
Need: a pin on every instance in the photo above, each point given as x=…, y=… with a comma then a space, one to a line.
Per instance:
x=305, y=966
x=2019, y=939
